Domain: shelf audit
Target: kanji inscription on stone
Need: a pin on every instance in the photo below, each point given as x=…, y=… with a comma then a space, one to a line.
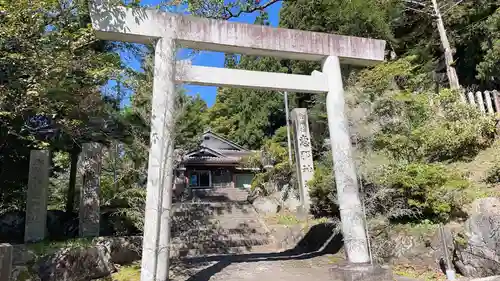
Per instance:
x=303, y=154
x=90, y=213
x=36, y=197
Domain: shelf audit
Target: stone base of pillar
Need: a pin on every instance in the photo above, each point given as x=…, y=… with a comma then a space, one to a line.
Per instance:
x=361, y=272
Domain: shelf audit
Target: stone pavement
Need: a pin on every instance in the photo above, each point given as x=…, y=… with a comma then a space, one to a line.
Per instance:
x=221, y=237
x=308, y=268
x=254, y=267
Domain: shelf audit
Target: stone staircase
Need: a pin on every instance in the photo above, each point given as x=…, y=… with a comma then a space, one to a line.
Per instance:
x=218, y=221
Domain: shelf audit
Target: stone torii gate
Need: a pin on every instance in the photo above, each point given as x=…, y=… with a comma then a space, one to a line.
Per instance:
x=169, y=31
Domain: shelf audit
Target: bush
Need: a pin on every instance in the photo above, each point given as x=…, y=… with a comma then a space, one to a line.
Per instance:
x=493, y=175
x=430, y=189
x=323, y=193
x=397, y=191
x=322, y=189
x=271, y=179
x=413, y=130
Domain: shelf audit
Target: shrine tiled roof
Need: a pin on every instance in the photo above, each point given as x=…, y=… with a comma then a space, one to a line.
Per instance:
x=211, y=159
x=214, y=149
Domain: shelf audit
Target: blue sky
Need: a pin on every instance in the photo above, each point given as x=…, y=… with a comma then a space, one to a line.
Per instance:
x=208, y=58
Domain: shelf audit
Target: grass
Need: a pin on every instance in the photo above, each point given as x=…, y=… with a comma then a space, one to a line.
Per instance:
x=48, y=247
x=125, y=273
x=288, y=219
x=128, y=273
x=427, y=274
x=424, y=228
x=481, y=164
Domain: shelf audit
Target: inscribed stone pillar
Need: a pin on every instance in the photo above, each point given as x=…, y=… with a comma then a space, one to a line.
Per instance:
x=351, y=210
x=6, y=253
x=36, y=198
x=303, y=155
x=90, y=213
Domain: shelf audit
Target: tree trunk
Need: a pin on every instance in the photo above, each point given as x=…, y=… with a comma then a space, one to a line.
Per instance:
x=70, y=200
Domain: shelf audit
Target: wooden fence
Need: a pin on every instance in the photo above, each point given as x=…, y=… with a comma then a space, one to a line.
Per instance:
x=488, y=102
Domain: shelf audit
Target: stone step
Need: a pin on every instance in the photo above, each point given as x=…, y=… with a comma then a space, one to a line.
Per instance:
x=219, y=229
x=200, y=236
x=221, y=195
x=206, y=252
x=212, y=209
x=205, y=216
x=219, y=243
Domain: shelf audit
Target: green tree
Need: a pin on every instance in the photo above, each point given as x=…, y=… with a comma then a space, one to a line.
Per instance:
x=51, y=69
x=249, y=116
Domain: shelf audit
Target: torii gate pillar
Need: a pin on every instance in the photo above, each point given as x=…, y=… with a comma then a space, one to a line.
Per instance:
x=166, y=30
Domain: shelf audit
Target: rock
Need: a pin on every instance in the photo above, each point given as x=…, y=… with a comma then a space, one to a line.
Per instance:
x=489, y=205
x=77, y=264
x=478, y=255
x=436, y=244
x=22, y=255
x=277, y=196
x=22, y=273
x=123, y=250
x=252, y=195
x=287, y=198
x=266, y=205
x=12, y=227
x=491, y=278
x=292, y=203
x=400, y=245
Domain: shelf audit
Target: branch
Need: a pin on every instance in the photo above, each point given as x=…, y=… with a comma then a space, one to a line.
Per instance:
x=229, y=14
x=418, y=11
x=415, y=2
x=456, y=4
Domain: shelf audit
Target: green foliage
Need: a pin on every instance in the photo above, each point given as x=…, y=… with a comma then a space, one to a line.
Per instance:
x=417, y=131
x=322, y=188
x=413, y=129
x=433, y=190
x=412, y=123
x=248, y=116
x=489, y=68
x=45, y=248
x=271, y=179
x=51, y=66
x=191, y=123
x=404, y=73
x=127, y=273
x=356, y=17
x=493, y=175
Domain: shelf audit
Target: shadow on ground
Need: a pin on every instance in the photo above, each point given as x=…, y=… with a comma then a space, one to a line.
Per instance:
x=309, y=247
x=216, y=222
x=222, y=229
